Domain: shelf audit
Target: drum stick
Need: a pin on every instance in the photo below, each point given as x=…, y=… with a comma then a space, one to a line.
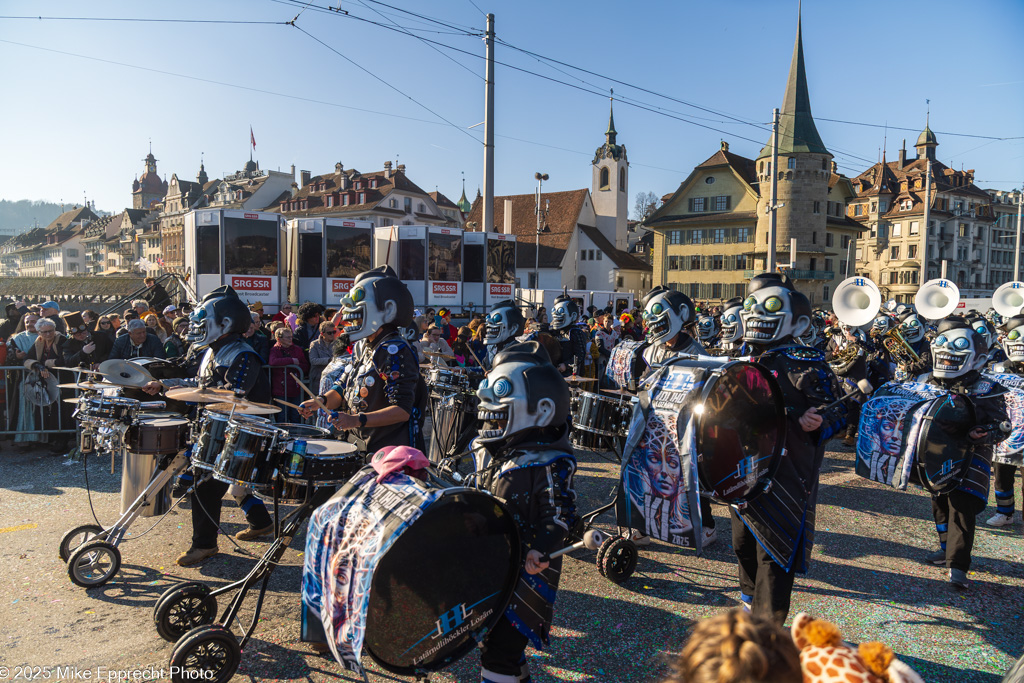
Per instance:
x=863, y=386
x=475, y=357
x=592, y=540
x=286, y=403
x=311, y=394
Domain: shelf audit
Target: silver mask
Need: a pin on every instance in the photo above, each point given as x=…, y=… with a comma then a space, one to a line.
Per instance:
x=664, y=322
x=768, y=317
x=504, y=405
x=732, y=325
x=912, y=329
x=953, y=354
x=1013, y=344
x=360, y=314
x=705, y=328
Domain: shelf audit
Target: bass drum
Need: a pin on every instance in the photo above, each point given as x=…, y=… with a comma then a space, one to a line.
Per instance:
x=944, y=452
x=740, y=430
x=444, y=583
x=625, y=366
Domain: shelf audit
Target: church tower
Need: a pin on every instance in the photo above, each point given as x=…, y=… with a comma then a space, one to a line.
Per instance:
x=149, y=189
x=926, y=142
x=610, y=188
x=805, y=166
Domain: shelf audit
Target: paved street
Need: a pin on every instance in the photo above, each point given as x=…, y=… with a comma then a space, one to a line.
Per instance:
x=866, y=577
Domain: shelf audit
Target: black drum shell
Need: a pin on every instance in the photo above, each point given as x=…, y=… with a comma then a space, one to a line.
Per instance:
x=944, y=450
x=250, y=456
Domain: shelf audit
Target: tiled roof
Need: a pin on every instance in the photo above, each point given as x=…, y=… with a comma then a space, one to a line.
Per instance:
x=72, y=216
x=332, y=184
x=746, y=168
x=442, y=201
x=621, y=259
x=709, y=217
x=563, y=215
x=942, y=178
x=91, y=288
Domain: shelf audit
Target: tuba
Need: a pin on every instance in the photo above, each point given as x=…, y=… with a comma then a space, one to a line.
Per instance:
x=1008, y=300
x=856, y=301
x=937, y=298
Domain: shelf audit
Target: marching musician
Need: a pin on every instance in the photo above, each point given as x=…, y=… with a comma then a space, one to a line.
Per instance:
x=565, y=318
x=772, y=544
x=667, y=313
x=524, y=457
x=959, y=352
x=707, y=331
x=504, y=323
x=217, y=325
x=987, y=330
x=846, y=353
x=731, y=339
x=913, y=331
x=1004, y=474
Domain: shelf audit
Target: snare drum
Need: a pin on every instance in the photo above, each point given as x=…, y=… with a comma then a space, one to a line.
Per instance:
x=112, y=408
x=210, y=440
x=325, y=462
x=443, y=379
x=597, y=420
x=157, y=435
x=250, y=454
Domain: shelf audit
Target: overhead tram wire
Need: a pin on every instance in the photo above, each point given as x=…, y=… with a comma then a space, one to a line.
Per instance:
x=337, y=11
x=147, y=20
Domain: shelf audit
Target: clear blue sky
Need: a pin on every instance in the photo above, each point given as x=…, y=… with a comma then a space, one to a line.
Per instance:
x=72, y=125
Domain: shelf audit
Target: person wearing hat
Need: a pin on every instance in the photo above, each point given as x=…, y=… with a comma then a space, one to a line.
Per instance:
x=51, y=311
x=82, y=349
x=167, y=320
x=10, y=325
x=137, y=343
x=175, y=345
x=443, y=320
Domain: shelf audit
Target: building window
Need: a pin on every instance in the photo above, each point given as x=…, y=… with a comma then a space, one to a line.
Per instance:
x=882, y=206
x=846, y=242
x=532, y=280
x=817, y=207
x=829, y=239
x=858, y=254
x=618, y=281
x=603, y=184
x=591, y=254
x=721, y=203
x=897, y=229
x=581, y=282
x=408, y=204
x=874, y=207
x=915, y=228
x=583, y=255
x=912, y=251
x=622, y=182
x=857, y=210
x=696, y=236
x=842, y=268
x=717, y=262
x=814, y=238
x=710, y=180
x=600, y=255
x=698, y=204
x=694, y=262
x=894, y=253
x=674, y=262
x=791, y=162
x=719, y=235
x=675, y=237
x=824, y=293
x=743, y=235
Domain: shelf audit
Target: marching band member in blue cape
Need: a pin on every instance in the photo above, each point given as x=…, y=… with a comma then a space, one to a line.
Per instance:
x=524, y=457
x=1003, y=473
x=773, y=533
x=959, y=352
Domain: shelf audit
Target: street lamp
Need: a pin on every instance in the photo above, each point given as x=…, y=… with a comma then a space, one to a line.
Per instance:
x=541, y=177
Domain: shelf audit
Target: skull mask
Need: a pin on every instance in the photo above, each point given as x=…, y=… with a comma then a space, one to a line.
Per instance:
x=219, y=314
x=564, y=313
x=666, y=312
x=522, y=393
x=732, y=322
x=982, y=327
x=504, y=324
x=706, y=328
x=882, y=323
x=957, y=349
x=810, y=336
x=773, y=310
x=911, y=326
x=377, y=299
x=1013, y=342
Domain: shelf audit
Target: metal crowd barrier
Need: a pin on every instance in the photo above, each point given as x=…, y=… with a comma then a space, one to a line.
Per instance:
x=20, y=418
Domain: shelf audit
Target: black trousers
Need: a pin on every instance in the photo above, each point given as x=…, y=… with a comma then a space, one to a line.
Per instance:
x=954, y=515
x=1003, y=477
x=769, y=585
x=504, y=650
x=206, y=502
x=707, y=519
x=852, y=417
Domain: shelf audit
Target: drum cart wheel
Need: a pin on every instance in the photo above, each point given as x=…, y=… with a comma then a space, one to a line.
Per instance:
x=78, y=537
x=206, y=653
x=182, y=608
x=93, y=564
x=616, y=560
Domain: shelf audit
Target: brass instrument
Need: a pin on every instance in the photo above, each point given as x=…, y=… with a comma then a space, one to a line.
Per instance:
x=842, y=363
x=899, y=348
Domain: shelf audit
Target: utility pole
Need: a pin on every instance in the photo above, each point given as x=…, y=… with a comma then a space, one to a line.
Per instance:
x=540, y=177
x=1016, y=252
x=849, y=257
x=923, y=277
x=773, y=215
x=488, y=209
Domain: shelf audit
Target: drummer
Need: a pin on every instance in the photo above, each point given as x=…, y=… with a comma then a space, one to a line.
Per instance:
x=217, y=325
x=565, y=328
x=504, y=323
x=1005, y=474
x=524, y=457
x=731, y=339
x=959, y=352
x=774, y=315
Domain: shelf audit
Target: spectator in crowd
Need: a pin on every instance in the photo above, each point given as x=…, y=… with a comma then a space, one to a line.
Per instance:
x=167, y=321
x=308, y=327
x=83, y=348
x=282, y=385
x=461, y=349
x=45, y=354
x=433, y=342
x=105, y=327
x=629, y=329
x=255, y=338
x=10, y=324
x=25, y=336
x=443, y=320
x=331, y=373
x=320, y=353
x=175, y=346
x=141, y=308
x=430, y=314
x=115, y=323
x=737, y=647
x=51, y=311
x=137, y=342
x=91, y=319
x=283, y=313
x=153, y=323
x=477, y=342
x=156, y=296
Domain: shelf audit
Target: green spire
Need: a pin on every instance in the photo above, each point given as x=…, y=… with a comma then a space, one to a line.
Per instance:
x=610, y=134
x=797, y=132
x=463, y=203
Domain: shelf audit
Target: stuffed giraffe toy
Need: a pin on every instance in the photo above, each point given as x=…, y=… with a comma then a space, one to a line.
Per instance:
x=825, y=658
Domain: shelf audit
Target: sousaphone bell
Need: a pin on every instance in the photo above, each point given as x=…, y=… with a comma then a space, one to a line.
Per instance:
x=937, y=299
x=856, y=301
x=1008, y=300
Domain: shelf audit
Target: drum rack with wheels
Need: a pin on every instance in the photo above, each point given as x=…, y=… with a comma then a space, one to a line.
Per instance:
x=186, y=614
x=91, y=552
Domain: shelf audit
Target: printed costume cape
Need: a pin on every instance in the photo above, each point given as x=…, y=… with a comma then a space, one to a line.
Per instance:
x=1011, y=450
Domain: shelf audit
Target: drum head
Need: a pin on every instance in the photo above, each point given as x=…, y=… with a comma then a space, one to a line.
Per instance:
x=444, y=582
x=943, y=451
x=741, y=431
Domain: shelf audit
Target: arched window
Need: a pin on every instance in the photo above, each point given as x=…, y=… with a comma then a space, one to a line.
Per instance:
x=581, y=282
x=622, y=180
x=603, y=184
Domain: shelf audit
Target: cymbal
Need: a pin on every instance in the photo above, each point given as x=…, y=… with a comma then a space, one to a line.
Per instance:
x=438, y=354
x=574, y=379
x=244, y=408
x=125, y=373
x=207, y=395
x=84, y=371
x=89, y=386
x=618, y=392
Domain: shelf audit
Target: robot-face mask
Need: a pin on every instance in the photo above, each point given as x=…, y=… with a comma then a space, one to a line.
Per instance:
x=1013, y=344
x=810, y=336
x=912, y=329
x=768, y=316
x=705, y=328
x=664, y=320
x=732, y=324
x=564, y=313
x=204, y=326
x=954, y=354
x=504, y=404
x=360, y=312
x=503, y=323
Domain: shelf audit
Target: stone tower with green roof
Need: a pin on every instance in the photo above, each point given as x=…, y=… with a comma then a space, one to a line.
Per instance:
x=610, y=187
x=805, y=167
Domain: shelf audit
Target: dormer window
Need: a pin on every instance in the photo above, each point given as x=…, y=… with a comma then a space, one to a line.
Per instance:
x=362, y=197
x=359, y=184
x=373, y=183
x=345, y=199
x=330, y=200
x=284, y=206
x=393, y=203
x=304, y=204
